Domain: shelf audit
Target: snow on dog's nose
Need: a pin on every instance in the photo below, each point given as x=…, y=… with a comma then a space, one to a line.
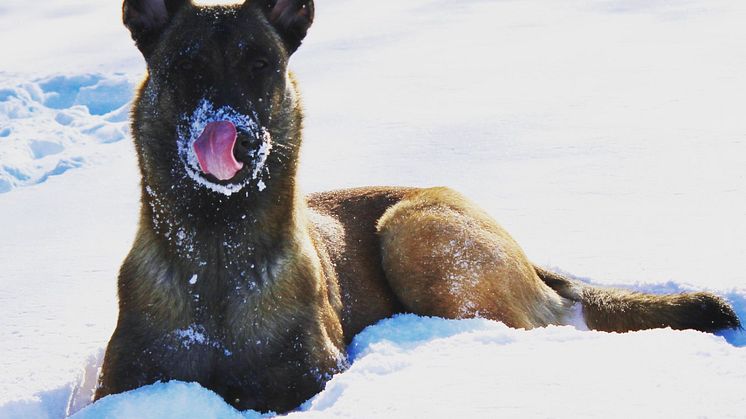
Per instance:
x=214, y=149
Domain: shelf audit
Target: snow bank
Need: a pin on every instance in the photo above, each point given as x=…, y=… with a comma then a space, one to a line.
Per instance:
x=411, y=366
x=422, y=367
x=164, y=400
x=51, y=125
x=49, y=404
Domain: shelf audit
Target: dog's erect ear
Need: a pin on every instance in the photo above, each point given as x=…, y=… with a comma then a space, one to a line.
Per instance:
x=291, y=18
x=146, y=19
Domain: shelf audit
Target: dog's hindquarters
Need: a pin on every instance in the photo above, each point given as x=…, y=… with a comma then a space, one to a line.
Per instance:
x=444, y=257
x=614, y=310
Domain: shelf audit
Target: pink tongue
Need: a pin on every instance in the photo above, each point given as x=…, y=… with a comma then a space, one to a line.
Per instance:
x=214, y=150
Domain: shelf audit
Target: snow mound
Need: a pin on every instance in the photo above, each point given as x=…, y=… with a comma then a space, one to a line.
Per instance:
x=163, y=401
x=411, y=366
x=47, y=405
x=51, y=125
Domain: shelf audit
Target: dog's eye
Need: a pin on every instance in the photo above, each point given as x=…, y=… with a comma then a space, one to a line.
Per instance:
x=259, y=64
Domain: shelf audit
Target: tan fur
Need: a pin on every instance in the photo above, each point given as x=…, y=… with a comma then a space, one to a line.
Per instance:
x=433, y=252
x=444, y=257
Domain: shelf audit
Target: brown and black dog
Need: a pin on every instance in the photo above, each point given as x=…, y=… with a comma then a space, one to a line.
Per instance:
x=240, y=283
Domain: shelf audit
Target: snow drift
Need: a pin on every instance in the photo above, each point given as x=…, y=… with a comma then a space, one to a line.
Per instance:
x=412, y=366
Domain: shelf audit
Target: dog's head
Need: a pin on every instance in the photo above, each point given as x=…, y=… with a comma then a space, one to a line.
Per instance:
x=218, y=108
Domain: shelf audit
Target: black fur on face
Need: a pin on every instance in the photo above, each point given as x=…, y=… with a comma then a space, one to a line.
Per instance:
x=221, y=63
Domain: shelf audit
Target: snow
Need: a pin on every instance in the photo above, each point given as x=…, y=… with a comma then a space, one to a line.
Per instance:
x=172, y=400
x=408, y=365
x=405, y=367
x=606, y=136
x=58, y=123
x=193, y=334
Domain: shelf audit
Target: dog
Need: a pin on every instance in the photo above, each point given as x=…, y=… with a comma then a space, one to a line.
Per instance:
x=239, y=282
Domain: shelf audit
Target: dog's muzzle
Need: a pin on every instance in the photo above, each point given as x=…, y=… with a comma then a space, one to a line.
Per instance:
x=214, y=150
x=222, y=149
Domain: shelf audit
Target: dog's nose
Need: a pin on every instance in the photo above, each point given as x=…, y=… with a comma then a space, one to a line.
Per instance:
x=242, y=148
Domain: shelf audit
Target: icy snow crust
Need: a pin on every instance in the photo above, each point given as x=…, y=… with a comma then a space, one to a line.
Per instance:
x=192, y=127
x=607, y=136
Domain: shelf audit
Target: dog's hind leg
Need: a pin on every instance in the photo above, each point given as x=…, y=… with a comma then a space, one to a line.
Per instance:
x=444, y=257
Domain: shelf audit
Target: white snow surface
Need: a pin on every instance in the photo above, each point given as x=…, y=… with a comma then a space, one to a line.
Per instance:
x=607, y=136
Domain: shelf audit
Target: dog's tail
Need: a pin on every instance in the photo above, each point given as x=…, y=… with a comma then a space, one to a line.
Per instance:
x=614, y=310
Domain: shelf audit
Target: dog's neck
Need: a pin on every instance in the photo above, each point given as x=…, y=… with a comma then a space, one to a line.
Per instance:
x=242, y=226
